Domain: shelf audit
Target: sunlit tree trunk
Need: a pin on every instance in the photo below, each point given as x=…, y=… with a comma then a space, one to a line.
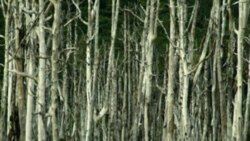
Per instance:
x=237, y=118
x=169, y=100
x=40, y=103
x=90, y=95
x=11, y=77
x=182, y=8
x=31, y=69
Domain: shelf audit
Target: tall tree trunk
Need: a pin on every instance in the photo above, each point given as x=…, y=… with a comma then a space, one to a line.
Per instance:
x=54, y=64
x=149, y=45
x=247, y=112
x=3, y=119
x=169, y=100
x=95, y=83
x=19, y=60
x=231, y=70
x=40, y=104
x=11, y=79
x=140, y=88
x=31, y=69
x=238, y=119
x=206, y=108
x=89, y=93
x=111, y=72
x=218, y=51
x=125, y=79
x=182, y=7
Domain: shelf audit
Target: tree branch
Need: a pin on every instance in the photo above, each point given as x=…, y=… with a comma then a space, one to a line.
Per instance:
x=23, y=74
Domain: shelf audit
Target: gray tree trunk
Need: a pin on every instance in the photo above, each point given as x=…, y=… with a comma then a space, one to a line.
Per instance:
x=169, y=100
x=3, y=119
x=54, y=65
x=237, y=118
x=19, y=61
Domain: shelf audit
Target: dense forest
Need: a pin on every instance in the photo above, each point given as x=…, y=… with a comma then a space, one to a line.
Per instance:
x=124, y=70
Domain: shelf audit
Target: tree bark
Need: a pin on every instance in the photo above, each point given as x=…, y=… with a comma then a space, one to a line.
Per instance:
x=4, y=111
x=40, y=104
x=247, y=111
x=31, y=71
x=182, y=7
x=169, y=100
x=54, y=65
x=237, y=118
x=19, y=61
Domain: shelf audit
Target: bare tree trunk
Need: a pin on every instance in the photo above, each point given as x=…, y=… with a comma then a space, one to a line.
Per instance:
x=95, y=84
x=11, y=85
x=149, y=45
x=88, y=72
x=169, y=100
x=111, y=72
x=247, y=111
x=140, y=88
x=31, y=71
x=214, y=101
x=218, y=51
x=205, y=46
x=230, y=72
x=125, y=79
x=238, y=119
x=11, y=77
x=89, y=77
x=206, y=108
x=223, y=103
x=54, y=64
x=40, y=104
x=183, y=46
x=194, y=92
x=19, y=61
x=3, y=119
